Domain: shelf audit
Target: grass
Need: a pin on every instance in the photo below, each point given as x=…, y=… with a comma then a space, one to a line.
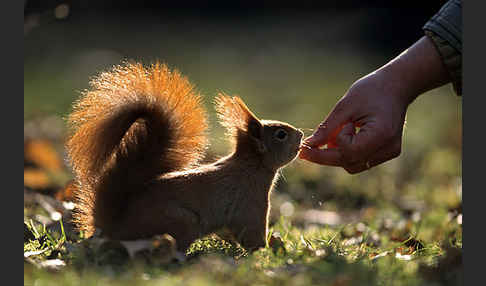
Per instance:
x=306, y=256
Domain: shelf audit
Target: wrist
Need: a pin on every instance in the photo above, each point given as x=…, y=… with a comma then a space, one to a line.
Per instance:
x=415, y=71
x=393, y=81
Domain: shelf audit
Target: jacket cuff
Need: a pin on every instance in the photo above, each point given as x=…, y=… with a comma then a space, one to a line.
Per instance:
x=451, y=58
x=447, y=24
x=445, y=31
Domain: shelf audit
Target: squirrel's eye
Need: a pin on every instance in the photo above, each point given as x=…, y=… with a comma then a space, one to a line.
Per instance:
x=281, y=135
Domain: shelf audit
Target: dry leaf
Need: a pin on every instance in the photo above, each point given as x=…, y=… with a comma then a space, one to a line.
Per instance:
x=43, y=154
x=36, y=179
x=52, y=264
x=405, y=257
x=376, y=256
x=37, y=252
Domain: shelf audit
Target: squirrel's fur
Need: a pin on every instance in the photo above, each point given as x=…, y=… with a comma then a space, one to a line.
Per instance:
x=137, y=137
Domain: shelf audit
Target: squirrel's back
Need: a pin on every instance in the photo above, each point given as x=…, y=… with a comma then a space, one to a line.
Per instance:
x=132, y=125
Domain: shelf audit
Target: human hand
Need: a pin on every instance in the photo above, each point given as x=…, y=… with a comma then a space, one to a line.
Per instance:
x=376, y=104
x=378, y=108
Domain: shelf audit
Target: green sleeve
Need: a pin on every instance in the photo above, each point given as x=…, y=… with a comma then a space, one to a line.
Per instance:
x=445, y=31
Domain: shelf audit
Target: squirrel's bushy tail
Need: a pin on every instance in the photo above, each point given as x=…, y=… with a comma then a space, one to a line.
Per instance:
x=133, y=124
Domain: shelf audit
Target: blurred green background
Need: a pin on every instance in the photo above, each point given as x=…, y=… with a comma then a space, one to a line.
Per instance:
x=290, y=65
x=287, y=65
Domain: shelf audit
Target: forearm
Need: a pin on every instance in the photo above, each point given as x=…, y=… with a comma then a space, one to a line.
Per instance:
x=415, y=71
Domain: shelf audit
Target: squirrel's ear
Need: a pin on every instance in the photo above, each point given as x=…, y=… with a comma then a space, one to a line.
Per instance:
x=235, y=115
x=255, y=132
x=254, y=127
x=247, y=114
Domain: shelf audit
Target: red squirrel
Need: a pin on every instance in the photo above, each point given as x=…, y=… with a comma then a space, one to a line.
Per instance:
x=136, y=142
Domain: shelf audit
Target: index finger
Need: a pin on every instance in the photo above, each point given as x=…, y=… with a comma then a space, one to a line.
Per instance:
x=329, y=128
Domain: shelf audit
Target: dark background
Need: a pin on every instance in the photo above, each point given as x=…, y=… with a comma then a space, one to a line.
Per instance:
x=335, y=42
x=385, y=18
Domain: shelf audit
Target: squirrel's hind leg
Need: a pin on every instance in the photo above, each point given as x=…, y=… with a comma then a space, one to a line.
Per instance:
x=181, y=223
x=184, y=225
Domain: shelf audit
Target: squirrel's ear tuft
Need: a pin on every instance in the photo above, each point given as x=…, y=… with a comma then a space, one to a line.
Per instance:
x=234, y=115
